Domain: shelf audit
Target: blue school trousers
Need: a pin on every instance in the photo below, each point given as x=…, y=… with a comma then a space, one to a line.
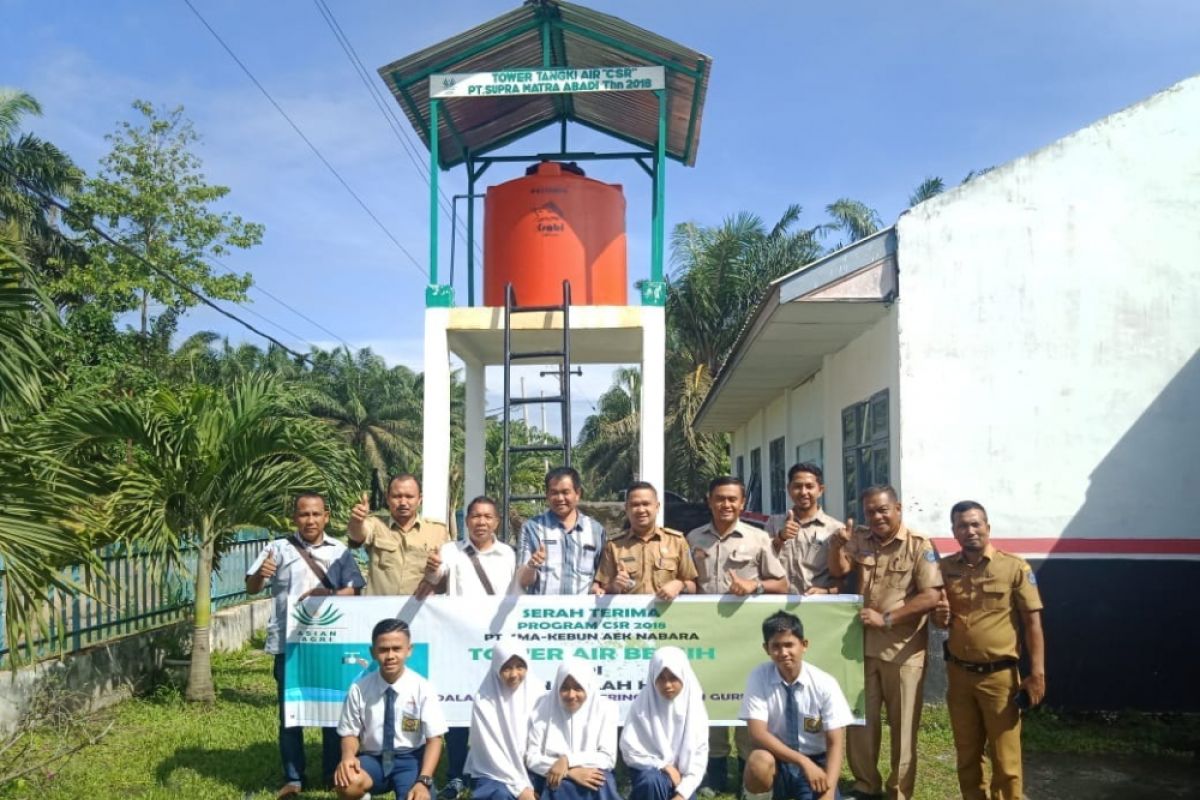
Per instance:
x=405, y=768
x=570, y=790
x=651, y=784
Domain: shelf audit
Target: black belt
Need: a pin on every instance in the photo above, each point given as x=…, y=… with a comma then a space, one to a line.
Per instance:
x=984, y=668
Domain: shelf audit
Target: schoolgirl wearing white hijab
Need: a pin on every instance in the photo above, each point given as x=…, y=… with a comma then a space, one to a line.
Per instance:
x=573, y=737
x=665, y=741
x=500, y=727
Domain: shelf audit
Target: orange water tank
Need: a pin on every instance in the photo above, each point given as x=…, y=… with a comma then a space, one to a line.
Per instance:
x=555, y=224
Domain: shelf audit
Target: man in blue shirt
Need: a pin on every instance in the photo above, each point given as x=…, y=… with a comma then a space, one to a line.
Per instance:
x=560, y=548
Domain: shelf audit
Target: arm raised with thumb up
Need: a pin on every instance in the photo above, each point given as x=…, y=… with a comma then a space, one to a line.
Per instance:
x=356, y=528
x=266, y=570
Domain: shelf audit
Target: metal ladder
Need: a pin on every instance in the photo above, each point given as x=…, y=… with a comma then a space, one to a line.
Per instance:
x=562, y=399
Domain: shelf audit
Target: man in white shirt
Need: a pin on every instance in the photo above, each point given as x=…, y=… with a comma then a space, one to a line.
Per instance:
x=479, y=566
x=391, y=725
x=306, y=564
x=797, y=715
x=474, y=568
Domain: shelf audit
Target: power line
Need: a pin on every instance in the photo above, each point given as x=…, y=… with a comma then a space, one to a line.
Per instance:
x=307, y=141
x=290, y=308
x=74, y=219
x=387, y=110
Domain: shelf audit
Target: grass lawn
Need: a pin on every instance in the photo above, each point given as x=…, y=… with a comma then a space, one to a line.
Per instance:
x=161, y=747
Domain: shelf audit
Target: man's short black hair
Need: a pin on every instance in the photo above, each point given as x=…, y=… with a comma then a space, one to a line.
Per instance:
x=782, y=622
x=726, y=480
x=404, y=476
x=809, y=467
x=308, y=496
x=482, y=499
x=963, y=506
x=639, y=485
x=879, y=488
x=389, y=625
x=558, y=473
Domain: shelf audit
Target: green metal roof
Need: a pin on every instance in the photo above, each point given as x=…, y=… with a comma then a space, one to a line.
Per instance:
x=547, y=33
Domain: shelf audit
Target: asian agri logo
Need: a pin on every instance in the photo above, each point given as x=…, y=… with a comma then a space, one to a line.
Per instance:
x=549, y=219
x=317, y=628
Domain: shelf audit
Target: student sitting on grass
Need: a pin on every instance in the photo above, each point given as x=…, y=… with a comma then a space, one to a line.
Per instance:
x=573, y=737
x=797, y=717
x=391, y=725
x=500, y=727
x=665, y=741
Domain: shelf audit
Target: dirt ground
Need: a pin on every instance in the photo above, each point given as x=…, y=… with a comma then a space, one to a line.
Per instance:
x=1056, y=776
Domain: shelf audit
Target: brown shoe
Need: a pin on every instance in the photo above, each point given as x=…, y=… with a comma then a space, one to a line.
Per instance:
x=288, y=790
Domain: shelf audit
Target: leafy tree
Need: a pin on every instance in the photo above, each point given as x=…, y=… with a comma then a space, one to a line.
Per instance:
x=930, y=187
x=151, y=196
x=205, y=462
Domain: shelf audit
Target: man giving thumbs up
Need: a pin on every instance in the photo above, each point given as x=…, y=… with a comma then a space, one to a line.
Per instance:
x=800, y=537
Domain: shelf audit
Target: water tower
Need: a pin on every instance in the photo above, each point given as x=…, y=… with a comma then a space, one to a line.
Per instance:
x=554, y=271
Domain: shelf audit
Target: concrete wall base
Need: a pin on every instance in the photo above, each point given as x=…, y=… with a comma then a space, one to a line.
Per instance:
x=105, y=674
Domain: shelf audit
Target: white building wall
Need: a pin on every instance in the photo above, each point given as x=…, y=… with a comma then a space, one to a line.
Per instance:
x=853, y=374
x=807, y=414
x=775, y=422
x=1048, y=331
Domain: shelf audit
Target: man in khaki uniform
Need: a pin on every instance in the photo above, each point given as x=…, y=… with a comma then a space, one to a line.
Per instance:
x=801, y=536
x=899, y=580
x=646, y=559
x=397, y=549
x=735, y=558
x=985, y=591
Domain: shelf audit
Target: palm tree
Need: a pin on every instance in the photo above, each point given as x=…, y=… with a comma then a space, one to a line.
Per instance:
x=718, y=278
x=205, y=462
x=608, y=441
x=39, y=531
x=853, y=218
x=375, y=409
x=30, y=168
x=930, y=187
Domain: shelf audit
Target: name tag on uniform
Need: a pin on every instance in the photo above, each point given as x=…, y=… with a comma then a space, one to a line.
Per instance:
x=413, y=724
x=812, y=725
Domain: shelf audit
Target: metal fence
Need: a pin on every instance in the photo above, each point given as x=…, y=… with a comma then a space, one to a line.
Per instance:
x=138, y=595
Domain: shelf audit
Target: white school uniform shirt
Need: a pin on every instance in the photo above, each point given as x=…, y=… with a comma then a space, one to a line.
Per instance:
x=293, y=577
x=660, y=732
x=819, y=701
x=500, y=723
x=499, y=562
x=418, y=712
x=588, y=737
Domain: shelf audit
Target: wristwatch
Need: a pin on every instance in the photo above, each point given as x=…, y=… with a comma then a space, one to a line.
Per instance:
x=887, y=620
x=425, y=780
x=759, y=588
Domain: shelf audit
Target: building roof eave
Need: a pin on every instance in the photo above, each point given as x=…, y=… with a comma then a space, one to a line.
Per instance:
x=806, y=315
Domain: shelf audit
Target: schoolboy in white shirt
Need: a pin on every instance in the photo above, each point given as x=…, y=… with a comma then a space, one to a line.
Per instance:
x=391, y=726
x=797, y=716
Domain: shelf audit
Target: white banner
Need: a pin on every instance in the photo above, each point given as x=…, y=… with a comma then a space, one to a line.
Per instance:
x=329, y=644
x=537, y=80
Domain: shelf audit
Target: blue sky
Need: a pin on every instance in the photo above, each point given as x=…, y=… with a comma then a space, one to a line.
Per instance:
x=807, y=103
